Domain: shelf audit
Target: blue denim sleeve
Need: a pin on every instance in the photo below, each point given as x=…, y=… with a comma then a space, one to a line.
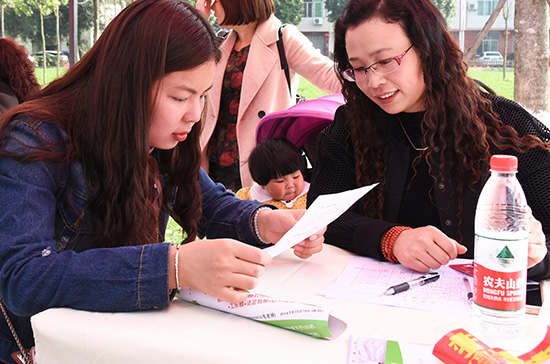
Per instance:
x=35, y=277
x=224, y=215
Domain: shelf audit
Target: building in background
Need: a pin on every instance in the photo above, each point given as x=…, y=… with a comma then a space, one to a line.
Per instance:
x=470, y=17
x=316, y=26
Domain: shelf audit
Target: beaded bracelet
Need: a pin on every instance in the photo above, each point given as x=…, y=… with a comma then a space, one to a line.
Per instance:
x=255, y=224
x=387, y=242
x=176, y=266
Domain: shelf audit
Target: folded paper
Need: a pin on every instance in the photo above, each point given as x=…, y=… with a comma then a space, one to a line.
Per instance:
x=307, y=319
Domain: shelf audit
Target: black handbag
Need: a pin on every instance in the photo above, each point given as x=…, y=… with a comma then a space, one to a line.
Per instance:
x=284, y=64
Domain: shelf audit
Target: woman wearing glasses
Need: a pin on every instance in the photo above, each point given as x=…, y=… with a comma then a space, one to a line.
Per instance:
x=415, y=122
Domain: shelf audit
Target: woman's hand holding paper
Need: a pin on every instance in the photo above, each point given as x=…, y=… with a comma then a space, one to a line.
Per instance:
x=273, y=224
x=222, y=268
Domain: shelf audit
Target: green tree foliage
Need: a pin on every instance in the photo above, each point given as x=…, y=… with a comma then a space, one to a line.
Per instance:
x=289, y=11
x=27, y=27
x=334, y=8
x=4, y=4
x=447, y=9
x=44, y=8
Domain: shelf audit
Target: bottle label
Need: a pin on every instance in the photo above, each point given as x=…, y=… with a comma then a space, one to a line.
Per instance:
x=500, y=273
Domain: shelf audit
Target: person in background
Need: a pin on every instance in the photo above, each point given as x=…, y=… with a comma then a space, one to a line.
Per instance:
x=91, y=168
x=249, y=83
x=277, y=167
x=417, y=124
x=17, y=79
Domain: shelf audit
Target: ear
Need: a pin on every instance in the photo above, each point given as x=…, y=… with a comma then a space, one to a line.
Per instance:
x=263, y=187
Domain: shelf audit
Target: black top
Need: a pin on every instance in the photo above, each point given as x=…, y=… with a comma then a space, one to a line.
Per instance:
x=425, y=200
x=418, y=194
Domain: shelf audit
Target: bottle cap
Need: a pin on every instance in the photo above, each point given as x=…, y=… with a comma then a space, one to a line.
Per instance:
x=504, y=163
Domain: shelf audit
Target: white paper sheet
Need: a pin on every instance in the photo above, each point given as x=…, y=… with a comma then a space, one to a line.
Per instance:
x=324, y=210
x=365, y=279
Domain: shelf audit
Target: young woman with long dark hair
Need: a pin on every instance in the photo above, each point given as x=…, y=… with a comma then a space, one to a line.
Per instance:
x=91, y=168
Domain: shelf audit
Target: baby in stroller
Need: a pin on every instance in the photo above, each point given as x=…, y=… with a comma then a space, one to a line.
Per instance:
x=277, y=168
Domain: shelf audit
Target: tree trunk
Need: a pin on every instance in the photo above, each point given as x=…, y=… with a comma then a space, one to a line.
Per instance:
x=96, y=19
x=56, y=11
x=2, y=15
x=532, y=55
x=506, y=15
x=43, y=46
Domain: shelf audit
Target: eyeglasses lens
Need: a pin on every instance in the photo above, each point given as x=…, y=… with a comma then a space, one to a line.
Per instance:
x=380, y=68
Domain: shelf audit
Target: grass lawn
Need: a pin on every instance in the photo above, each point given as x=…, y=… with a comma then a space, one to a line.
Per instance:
x=305, y=88
x=174, y=232
x=493, y=77
x=51, y=74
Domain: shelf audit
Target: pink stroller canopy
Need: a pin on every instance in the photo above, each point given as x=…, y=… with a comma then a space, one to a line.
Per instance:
x=299, y=123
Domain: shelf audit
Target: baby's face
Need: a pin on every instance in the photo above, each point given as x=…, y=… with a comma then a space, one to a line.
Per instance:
x=286, y=187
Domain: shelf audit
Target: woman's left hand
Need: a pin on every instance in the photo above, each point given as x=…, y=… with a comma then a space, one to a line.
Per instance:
x=537, y=241
x=273, y=224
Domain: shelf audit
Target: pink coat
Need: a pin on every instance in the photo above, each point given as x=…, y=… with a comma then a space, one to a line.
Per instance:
x=264, y=87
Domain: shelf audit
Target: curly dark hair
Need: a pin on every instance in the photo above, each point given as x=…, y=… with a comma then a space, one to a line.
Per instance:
x=105, y=104
x=458, y=118
x=17, y=70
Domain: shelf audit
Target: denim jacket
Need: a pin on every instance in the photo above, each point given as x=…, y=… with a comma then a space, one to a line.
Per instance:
x=49, y=256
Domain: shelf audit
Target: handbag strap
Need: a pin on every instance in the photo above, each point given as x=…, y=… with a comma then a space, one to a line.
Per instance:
x=24, y=352
x=282, y=57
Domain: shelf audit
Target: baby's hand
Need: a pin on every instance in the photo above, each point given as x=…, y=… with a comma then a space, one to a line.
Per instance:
x=273, y=224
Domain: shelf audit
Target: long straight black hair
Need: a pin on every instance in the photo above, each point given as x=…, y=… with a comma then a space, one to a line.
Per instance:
x=105, y=104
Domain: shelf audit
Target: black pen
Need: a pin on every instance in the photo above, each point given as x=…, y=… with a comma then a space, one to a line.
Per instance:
x=468, y=289
x=420, y=281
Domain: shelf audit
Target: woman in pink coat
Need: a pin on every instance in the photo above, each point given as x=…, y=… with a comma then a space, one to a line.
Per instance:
x=249, y=83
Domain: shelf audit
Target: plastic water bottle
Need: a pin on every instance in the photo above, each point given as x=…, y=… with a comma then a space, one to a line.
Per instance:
x=500, y=257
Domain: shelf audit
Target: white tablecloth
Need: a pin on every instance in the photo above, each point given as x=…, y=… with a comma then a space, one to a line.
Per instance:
x=186, y=333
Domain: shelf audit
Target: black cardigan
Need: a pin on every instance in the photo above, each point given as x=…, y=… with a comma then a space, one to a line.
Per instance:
x=335, y=172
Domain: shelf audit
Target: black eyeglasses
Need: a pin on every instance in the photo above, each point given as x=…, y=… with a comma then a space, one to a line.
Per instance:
x=380, y=68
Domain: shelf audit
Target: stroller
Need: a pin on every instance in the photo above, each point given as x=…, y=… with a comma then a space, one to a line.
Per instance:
x=301, y=125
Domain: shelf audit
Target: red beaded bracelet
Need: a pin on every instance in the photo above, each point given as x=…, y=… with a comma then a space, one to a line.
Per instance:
x=388, y=239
